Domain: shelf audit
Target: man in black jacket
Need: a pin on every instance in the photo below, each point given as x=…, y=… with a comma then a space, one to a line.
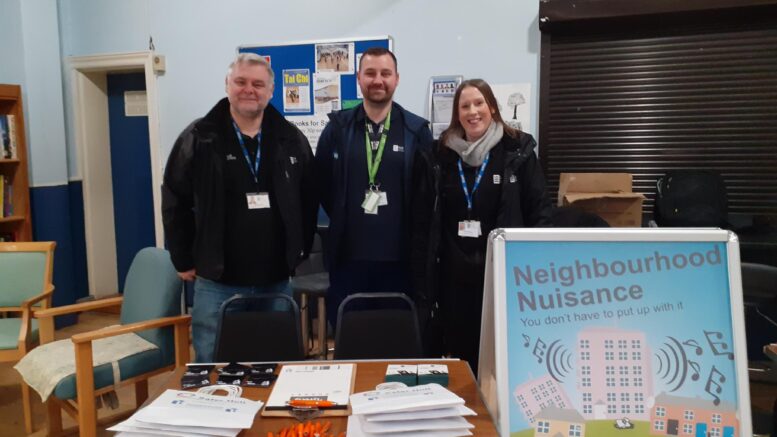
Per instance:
x=238, y=202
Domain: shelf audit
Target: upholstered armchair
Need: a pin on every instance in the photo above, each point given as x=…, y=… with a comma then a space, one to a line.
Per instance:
x=152, y=338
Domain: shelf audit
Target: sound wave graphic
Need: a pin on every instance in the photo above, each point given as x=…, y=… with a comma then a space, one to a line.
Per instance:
x=558, y=361
x=674, y=366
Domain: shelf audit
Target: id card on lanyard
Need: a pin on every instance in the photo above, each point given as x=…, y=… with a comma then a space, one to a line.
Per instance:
x=471, y=228
x=253, y=200
x=373, y=197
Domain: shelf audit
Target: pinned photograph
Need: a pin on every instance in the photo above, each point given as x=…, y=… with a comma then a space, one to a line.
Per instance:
x=296, y=90
x=335, y=57
x=326, y=92
x=513, y=100
x=358, y=88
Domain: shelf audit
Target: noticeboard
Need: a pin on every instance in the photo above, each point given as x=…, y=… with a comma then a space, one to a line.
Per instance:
x=314, y=78
x=593, y=332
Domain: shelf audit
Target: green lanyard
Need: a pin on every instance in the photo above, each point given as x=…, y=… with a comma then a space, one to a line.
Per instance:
x=372, y=166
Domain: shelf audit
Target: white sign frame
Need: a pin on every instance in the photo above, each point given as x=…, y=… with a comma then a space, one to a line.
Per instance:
x=493, y=375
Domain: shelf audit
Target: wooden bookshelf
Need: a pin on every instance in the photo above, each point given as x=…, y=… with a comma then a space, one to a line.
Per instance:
x=15, y=170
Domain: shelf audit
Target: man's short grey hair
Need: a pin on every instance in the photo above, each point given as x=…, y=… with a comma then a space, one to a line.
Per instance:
x=251, y=59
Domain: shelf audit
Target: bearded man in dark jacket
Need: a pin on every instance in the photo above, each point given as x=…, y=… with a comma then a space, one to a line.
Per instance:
x=238, y=203
x=364, y=162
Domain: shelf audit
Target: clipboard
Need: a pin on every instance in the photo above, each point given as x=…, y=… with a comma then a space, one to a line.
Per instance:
x=325, y=381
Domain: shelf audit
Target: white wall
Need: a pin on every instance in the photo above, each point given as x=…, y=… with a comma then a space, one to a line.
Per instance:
x=497, y=40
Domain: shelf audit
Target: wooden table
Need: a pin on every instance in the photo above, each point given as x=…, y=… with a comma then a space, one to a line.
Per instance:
x=369, y=373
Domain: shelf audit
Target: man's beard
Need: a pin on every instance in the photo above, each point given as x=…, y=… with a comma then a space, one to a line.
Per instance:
x=385, y=97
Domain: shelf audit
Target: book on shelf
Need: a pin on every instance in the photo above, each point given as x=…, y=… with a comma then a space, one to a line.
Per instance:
x=3, y=200
x=6, y=197
x=8, y=136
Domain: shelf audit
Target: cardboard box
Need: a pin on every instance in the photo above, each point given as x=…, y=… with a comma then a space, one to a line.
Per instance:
x=607, y=195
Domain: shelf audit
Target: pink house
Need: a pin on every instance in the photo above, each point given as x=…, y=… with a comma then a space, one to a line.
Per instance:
x=534, y=395
x=676, y=415
x=553, y=422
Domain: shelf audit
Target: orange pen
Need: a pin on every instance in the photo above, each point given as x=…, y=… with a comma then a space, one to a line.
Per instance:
x=310, y=403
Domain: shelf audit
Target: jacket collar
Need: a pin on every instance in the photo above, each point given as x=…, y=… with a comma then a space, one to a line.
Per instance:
x=218, y=118
x=411, y=121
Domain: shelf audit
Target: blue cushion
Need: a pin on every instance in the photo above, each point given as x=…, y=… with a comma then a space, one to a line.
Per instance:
x=9, y=332
x=152, y=290
x=129, y=367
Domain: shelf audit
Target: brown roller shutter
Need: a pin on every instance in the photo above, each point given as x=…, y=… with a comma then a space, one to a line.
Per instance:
x=660, y=95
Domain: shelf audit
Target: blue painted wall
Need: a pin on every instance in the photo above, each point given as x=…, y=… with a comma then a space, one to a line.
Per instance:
x=56, y=217
x=11, y=48
x=498, y=41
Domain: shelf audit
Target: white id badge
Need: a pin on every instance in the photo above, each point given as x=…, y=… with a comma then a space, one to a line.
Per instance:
x=258, y=200
x=383, y=198
x=469, y=228
x=371, y=202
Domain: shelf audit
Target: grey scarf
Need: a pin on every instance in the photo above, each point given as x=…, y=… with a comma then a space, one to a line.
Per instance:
x=475, y=152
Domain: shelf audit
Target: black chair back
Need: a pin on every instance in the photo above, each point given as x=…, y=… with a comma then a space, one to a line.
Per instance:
x=377, y=326
x=759, y=293
x=259, y=328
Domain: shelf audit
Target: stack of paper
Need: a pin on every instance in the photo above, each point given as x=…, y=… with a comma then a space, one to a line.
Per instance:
x=184, y=413
x=323, y=382
x=428, y=410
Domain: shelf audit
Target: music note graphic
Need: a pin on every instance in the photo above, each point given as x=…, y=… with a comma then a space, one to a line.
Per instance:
x=539, y=350
x=526, y=340
x=692, y=343
x=715, y=344
x=715, y=374
x=696, y=369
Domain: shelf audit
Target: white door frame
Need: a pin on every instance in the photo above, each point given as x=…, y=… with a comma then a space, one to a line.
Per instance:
x=90, y=108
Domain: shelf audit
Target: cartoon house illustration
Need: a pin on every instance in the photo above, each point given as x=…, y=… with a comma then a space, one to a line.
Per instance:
x=676, y=415
x=614, y=373
x=553, y=421
x=536, y=394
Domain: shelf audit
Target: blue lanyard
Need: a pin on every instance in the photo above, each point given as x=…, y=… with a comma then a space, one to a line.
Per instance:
x=482, y=170
x=255, y=169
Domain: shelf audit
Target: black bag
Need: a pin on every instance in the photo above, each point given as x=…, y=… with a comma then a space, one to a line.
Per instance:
x=691, y=198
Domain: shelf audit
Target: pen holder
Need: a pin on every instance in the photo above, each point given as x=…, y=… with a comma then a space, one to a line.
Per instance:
x=305, y=413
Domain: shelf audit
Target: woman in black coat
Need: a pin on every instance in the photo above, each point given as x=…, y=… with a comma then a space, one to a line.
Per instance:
x=481, y=175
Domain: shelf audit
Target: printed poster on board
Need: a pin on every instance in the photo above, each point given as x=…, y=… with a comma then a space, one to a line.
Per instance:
x=335, y=57
x=326, y=93
x=514, y=100
x=296, y=90
x=619, y=338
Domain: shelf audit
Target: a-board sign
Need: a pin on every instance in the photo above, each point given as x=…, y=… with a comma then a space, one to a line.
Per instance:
x=609, y=332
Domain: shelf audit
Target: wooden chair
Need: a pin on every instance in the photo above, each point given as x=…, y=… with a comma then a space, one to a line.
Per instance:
x=151, y=301
x=26, y=269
